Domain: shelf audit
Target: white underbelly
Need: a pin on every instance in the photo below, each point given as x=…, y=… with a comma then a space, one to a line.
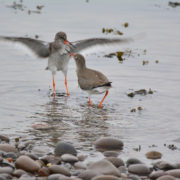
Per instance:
x=58, y=62
x=98, y=90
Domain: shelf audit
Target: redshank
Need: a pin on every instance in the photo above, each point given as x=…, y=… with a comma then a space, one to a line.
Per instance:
x=89, y=80
x=56, y=51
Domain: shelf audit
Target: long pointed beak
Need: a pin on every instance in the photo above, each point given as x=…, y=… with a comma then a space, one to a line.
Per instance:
x=66, y=42
x=72, y=54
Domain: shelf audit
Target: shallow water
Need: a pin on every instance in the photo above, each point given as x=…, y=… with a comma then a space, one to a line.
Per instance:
x=25, y=85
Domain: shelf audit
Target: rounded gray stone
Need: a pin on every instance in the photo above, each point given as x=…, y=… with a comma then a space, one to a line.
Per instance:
x=166, y=177
x=64, y=148
x=108, y=143
x=139, y=169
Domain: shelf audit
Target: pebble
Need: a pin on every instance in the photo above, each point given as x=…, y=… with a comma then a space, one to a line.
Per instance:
x=69, y=158
x=40, y=150
x=163, y=165
x=104, y=167
x=106, y=177
x=19, y=172
x=7, y=148
x=139, y=169
x=111, y=154
x=55, y=177
x=27, y=164
x=153, y=155
x=64, y=148
x=80, y=165
x=166, y=177
x=115, y=161
x=44, y=171
x=54, y=169
x=133, y=161
x=88, y=174
x=157, y=174
x=4, y=138
x=7, y=170
x=108, y=143
x=174, y=172
x=51, y=159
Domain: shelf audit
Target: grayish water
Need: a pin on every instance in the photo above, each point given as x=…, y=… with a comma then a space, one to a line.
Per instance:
x=24, y=92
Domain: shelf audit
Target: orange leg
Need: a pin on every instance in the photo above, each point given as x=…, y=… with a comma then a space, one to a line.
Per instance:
x=90, y=102
x=54, y=86
x=66, y=86
x=103, y=99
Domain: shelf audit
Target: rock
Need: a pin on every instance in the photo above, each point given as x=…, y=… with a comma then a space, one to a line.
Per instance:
x=44, y=171
x=88, y=174
x=166, y=177
x=40, y=150
x=174, y=172
x=115, y=161
x=104, y=167
x=51, y=159
x=108, y=143
x=11, y=155
x=64, y=148
x=69, y=158
x=55, y=169
x=106, y=177
x=139, y=169
x=55, y=176
x=2, y=177
x=27, y=177
x=122, y=169
x=4, y=138
x=157, y=174
x=81, y=157
x=163, y=165
x=111, y=154
x=7, y=170
x=7, y=148
x=80, y=165
x=32, y=156
x=133, y=177
x=19, y=172
x=133, y=161
x=153, y=155
x=27, y=164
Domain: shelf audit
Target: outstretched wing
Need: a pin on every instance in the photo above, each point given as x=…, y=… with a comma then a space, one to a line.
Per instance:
x=39, y=48
x=82, y=45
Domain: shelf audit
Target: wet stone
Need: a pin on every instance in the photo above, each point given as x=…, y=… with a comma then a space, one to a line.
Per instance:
x=132, y=161
x=115, y=161
x=122, y=169
x=4, y=138
x=55, y=177
x=106, y=177
x=81, y=157
x=7, y=170
x=69, y=158
x=163, y=165
x=166, y=177
x=153, y=155
x=54, y=169
x=108, y=143
x=5, y=176
x=64, y=148
x=11, y=155
x=7, y=148
x=32, y=156
x=174, y=172
x=40, y=150
x=51, y=159
x=27, y=164
x=157, y=174
x=19, y=172
x=44, y=171
x=139, y=169
x=2, y=177
x=104, y=167
x=88, y=174
x=80, y=165
x=27, y=177
x=111, y=154
x=133, y=177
